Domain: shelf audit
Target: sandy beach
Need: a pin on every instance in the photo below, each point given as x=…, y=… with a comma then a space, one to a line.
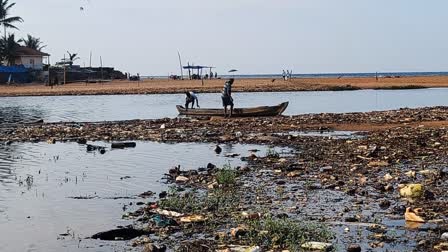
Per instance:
x=160, y=86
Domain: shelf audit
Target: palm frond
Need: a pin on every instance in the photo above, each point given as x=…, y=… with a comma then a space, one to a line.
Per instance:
x=9, y=26
x=12, y=19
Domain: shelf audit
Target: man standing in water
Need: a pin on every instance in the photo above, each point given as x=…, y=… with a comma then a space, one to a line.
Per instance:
x=227, y=99
x=191, y=98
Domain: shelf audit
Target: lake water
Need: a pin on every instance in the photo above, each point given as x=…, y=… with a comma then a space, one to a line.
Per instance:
x=38, y=181
x=126, y=107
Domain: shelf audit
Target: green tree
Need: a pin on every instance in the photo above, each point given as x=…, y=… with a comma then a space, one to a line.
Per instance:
x=5, y=19
x=32, y=42
x=8, y=49
x=72, y=57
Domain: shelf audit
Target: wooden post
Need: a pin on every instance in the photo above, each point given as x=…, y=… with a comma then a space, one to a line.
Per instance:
x=49, y=71
x=101, y=62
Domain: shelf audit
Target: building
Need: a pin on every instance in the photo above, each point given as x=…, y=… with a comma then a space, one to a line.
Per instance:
x=30, y=58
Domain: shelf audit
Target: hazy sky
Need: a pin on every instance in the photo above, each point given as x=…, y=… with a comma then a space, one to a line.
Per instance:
x=254, y=36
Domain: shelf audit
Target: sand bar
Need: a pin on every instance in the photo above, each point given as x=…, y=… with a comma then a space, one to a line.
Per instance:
x=160, y=86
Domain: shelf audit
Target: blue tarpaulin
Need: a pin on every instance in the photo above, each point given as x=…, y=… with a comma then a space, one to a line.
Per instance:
x=16, y=74
x=12, y=69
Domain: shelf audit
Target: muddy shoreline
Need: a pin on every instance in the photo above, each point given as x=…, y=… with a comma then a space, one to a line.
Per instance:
x=121, y=87
x=340, y=191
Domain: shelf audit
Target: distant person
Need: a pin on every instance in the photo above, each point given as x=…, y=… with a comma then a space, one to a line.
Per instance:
x=216, y=75
x=284, y=75
x=290, y=74
x=191, y=98
x=227, y=99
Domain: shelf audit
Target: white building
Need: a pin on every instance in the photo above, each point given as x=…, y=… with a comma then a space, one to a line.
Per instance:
x=30, y=58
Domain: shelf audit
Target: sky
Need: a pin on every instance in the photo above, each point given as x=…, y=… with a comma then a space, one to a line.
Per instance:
x=253, y=36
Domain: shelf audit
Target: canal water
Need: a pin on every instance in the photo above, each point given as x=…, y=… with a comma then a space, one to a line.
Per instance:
x=126, y=107
x=51, y=196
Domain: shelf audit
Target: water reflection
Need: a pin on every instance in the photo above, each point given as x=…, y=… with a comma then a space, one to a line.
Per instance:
x=69, y=188
x=19, y=114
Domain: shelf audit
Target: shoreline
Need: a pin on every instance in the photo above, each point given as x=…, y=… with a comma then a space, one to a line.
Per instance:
x=123, y=87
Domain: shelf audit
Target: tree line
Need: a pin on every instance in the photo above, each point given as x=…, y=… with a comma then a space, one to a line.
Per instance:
x=8, y=42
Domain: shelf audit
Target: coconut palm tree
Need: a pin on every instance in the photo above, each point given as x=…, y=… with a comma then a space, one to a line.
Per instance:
x=32, y=42
x=8, y=49
x=5, y=19
x=72, y=57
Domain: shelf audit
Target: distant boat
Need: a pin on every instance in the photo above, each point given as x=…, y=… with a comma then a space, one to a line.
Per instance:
x=237, y=112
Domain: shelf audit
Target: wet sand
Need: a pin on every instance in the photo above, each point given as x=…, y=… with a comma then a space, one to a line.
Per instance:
x=241, y=85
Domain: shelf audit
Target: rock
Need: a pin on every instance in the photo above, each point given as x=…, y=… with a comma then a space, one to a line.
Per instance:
x=282, y=160
x=428, y=195
x=354, y=248
x=81, y=141
x=238, y=232
x=384, y=204
x=410, y=174
x=388, y=177
x=146, y=194
x=9, y=142
x=326, y=169
x=182, y=179
x=140, y=241
x=218, y=149
x=352, y=219
x=293, y=174
x=211, y=166
x=320, y=246
x=154, y=248
x=91, y=147
x=121, y=234
x=163, y=194
x=411, y=190
x=123, y=145
x=444, y=236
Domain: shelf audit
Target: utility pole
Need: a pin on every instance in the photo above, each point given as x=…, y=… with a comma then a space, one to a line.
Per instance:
x=180, y=63
x=101, y=62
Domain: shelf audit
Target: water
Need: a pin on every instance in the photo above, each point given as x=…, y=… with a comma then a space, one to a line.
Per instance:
x=35, y=211
x=126, y=107
x=323, y=75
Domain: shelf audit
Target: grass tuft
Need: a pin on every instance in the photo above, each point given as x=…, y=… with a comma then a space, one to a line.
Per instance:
x=285, y=233
x=226, y=176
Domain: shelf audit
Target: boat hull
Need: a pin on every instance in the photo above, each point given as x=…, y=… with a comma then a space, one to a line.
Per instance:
x=237, y=112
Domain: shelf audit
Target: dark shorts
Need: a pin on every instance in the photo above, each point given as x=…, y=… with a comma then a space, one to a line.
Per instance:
x=227, y=101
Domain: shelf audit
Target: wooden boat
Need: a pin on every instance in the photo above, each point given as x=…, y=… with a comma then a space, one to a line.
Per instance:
x=237, y=112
